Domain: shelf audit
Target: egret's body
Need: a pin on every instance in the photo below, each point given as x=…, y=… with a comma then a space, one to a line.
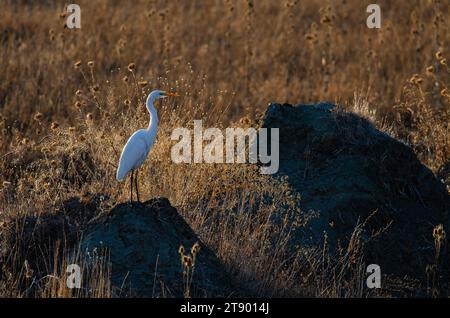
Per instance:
x=135, y=152
x=139, y=144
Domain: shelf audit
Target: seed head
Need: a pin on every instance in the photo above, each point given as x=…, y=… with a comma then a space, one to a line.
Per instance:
x=78, y=92
x=125, y=79
x=77, y=64
x=439, y=55
x=89, y=116
x=430, y=70
x=131, y=67
x=187, y=261
x=90, y=64
x=195, y=248
x=245, y=121
x=142, y=83
x=6, y=184
x=325, y=19
x=181, y=250
x=309, y=37
x=54, y=125
x=127, y=102
x=122, y=43
x=38, y=116
x=416, y=79
x=439, y=233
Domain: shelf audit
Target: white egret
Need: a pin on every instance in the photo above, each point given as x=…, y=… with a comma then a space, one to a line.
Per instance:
x=139, y=144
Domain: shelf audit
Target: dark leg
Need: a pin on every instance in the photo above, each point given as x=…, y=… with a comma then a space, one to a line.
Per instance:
x=131, y=187
x=136, y=186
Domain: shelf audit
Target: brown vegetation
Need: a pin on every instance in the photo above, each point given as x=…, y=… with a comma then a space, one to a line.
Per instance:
x=69, y=99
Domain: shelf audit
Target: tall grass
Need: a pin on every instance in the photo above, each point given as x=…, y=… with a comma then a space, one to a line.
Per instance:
x=69, y=100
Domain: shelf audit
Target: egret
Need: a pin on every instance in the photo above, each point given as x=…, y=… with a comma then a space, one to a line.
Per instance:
x=139, y=144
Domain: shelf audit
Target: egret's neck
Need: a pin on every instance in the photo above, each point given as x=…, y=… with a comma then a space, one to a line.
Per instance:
x=153, y=115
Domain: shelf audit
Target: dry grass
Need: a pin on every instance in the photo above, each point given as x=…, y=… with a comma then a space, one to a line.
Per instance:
x=69, y=99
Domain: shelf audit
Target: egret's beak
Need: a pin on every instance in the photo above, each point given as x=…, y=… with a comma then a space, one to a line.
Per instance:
x=172, y=94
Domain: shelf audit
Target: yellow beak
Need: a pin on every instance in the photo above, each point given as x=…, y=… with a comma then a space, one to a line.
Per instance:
x=172, y=94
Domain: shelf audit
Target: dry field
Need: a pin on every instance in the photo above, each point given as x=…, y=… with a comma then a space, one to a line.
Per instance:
x=69, y=99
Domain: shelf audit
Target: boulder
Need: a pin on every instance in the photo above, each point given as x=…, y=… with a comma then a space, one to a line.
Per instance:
x=351, y=173
x=143, y=241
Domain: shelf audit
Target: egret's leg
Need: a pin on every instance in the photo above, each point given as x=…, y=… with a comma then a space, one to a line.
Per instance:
x=136, y=185
x=131, y=187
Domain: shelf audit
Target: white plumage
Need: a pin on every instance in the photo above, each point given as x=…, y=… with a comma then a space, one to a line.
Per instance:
x=135, y=152
x=140, y=143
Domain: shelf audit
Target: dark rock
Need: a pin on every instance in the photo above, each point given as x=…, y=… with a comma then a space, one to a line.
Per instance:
x=143, y=241
x=345, y=169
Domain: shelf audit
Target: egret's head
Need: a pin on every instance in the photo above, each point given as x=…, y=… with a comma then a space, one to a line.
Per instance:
x=160, y=94
x=157, y=94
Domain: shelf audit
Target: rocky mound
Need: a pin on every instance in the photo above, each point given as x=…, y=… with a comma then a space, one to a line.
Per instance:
x=347, y=170
x=143, y=241
x=140, y=242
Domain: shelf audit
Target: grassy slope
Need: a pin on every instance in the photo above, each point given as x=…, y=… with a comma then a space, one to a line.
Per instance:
x=227, y=60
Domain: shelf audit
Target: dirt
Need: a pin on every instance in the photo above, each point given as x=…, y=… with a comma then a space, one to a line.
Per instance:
x=351, y=173
x=144, y=242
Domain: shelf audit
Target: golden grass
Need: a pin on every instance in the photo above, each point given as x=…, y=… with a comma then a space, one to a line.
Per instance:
x=69, y=99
